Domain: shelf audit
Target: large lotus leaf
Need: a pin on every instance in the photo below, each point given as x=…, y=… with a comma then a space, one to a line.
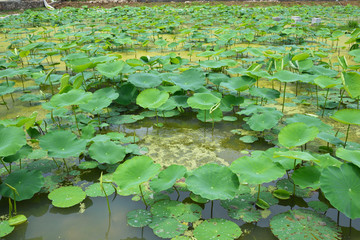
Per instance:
x=102, y=98
x=5, y=228
x=217, y=228
x=124, y=119
x=203, y=101
x=296, y=134
x=127, y=94
x=62, y=144
x=21, y=154
x=26, y=183
x=341, y=187
x=135, y=171
x=238, y=83
x=152, y=98
x=167, y=178
x=167, y=227
x=326, y=160
x=266, y=93
x=326, y=82
x=349, y=155
x=73, y=97
x=308, y=176
x=107, y=152
x=310, y=121
x=68, y=196
x=111, y=69
x=351, y=82
x=347, y=116
x=303, y=156
x=95, y=190
x=145, y=80
x=212, y=64
x=139, y=218
x=11, y=140
x=304, y=224
x=238, y=206
x=6, y=88
x=174, y=209
x=266, y=120
x=213, y=181
x=257, y=170
x=191, y=79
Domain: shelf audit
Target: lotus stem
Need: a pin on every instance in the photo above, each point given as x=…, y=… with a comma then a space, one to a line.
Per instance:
x=282, y=110
x=67, y=169
x=347, y=135
x=142, y=196
x=56, y=163
x=205, y=116
x=341, y=98
x=212, y=208
x=327, y=93
x=134, y=136
x=2, y=97
x=177, y=193
x=106, y=196
x=258, y=195
x=76, y=121
x=3, y=163
x=10, y=208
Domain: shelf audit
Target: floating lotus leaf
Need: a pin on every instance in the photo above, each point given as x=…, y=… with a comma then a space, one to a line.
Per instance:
x=65, y=197
x=304, y=224
x=308, y=176
x=152, y=98
x=88, y=165
x=341, y=187
x=17, y=220
x=62, y=144
x=73, y=97
x=5, y=228
x=26, y=183
x=125, y=119
x=191, y=79
x=174, y=209
x=249, y=139
x=347, y=116
x=167, y=178
x=318, y=206
x=297, y=134
x=94, y=190
x=11, y=140
x=111, y=69
x=213, y=181
x=239, y=206
x=257, y=170
x=145, y=80
x=351, y=82
x=139, y=218
x=167, y=227
x=217, y=228
x=264, y=120
x=203, y=101
x=135, y=171
x=107, y=152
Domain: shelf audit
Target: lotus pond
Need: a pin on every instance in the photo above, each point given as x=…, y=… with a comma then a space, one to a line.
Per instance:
x=189, y=122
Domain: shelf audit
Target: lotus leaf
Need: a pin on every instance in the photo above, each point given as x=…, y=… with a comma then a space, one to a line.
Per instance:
x=167, y=178
x=308, y=176
x=286, y=76
x=6, y=88
x=11, y=140
x=214, y=116
x=191, y=79
x=318, y=206
x=17, y=220
x=296, y=134
x=145, y=80
x=266, y=93
x=88, y=165
x=62, y=144
x=347, y=116
x=203, y=101
x=68, y=196
x=107, y=152
x=5, y=228
x=238, y=83
x=264, y=120
x=217, y=228
x=287, y=185
x=94, y=190
x=152, y=98
x=26, y=183
x=110, y=69
x=139, y=218
x=351, y=82
x=167, y=227
x=102, y=98
x=22, y=153
x=349, y=155
x=73, y=97
x=127, y=94
x=326, y=82
x=249, y=139
x=174, y=209
x=341, y=187
x=135, y=171
x=304, y=224
x=304, y=156
x=281, y=194
x=213, y=181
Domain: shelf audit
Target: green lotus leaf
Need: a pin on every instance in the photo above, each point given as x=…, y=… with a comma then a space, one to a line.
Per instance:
x=68, y=196
x=288, y=185
x=111, y=69
x=107, y=152
x=198, y=198
x=347, y=116
x=326, y=160
x=191, y=79
x=124, y=119
x=73, y=97
x=94, y=190
x=264, y=120
x=102, y=98
x=341, y=186
x=304, y=156
x=286, y=76
x=351, y=82
x=239, y=206
x=11, y=140
x=281, y=194
x=213, y=181
x=297, y=134
x=139, y=218
x=326, y=82
x=310, y=121
x=26, y=183
x=17, y=220
x=135, y=171
x=88, y=165
x=257, y=170
x=167, y=227
x=174, y=209
x=21, y=154
x=318, y=206
x=217, y=228
x=152, y=98
x=62, y=144
x=266, y=93
x=6, y=88
x=300, y=56
x=206, y=116
x=5, y=228
x=238, y=83
x=308, y=176
x=127, y=94
x=304, y=224
x=167, y=178
x=349, y=155
x=203, y=101
x=145, y=80
x=212, y=64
